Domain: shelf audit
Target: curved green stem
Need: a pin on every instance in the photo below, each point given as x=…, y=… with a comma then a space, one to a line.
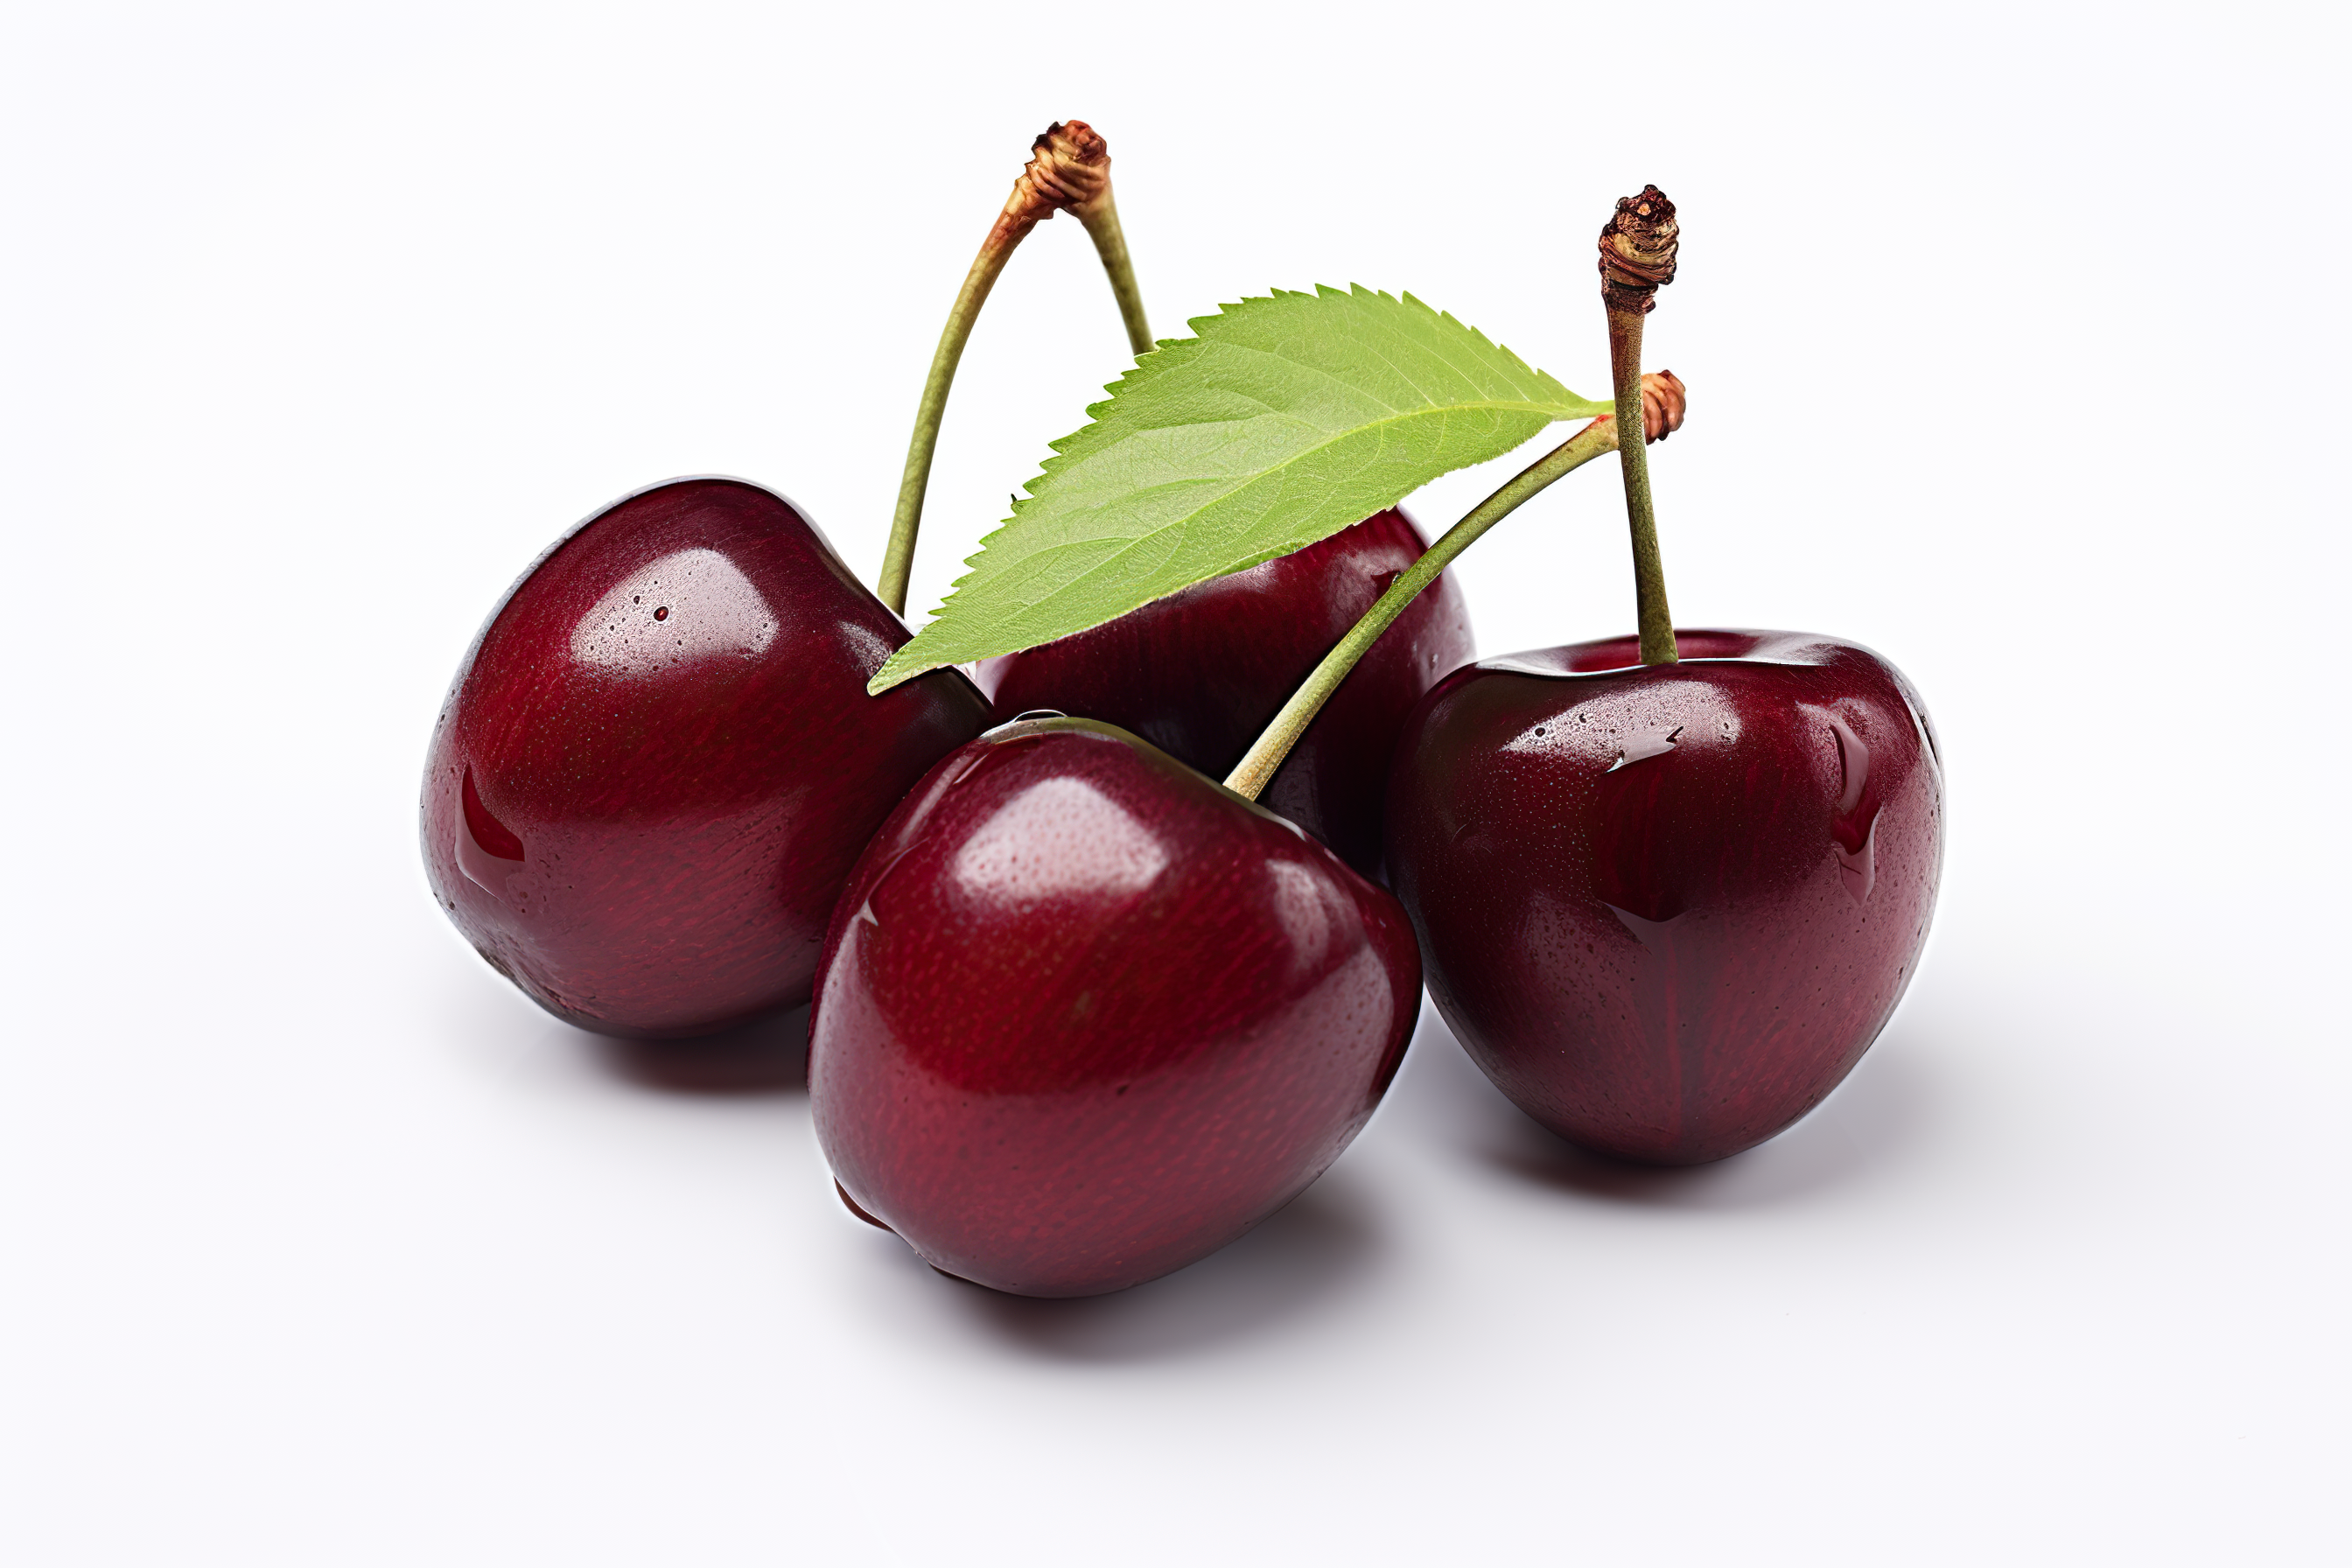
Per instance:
x=1099, y=214
x=898, y=560
x=1255, y=768
x=1656, y=621
x=1101, y=219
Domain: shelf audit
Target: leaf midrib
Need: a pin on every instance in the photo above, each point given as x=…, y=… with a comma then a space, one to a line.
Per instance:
x=1126, y=543
x=1427, y=406
x=1439, y=411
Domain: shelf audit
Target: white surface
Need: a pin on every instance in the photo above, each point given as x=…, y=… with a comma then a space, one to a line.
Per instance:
x=318, y=1244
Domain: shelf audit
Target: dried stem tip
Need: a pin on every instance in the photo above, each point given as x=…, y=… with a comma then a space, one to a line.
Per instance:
x=1637, y=251
x=1069, y=167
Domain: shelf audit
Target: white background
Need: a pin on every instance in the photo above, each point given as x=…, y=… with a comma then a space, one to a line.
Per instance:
x=2014, y=335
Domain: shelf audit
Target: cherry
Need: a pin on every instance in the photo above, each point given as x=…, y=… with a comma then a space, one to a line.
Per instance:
x=1200, y=673
x=658, y=762
x=1667, y=907
x=1083, y=1016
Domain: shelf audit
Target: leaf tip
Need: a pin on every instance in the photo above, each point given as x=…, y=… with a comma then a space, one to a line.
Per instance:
x=897, y=670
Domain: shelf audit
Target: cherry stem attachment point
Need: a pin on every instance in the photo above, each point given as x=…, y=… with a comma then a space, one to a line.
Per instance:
x=1639, y=250
x=1662, y=400
x=1069, y=170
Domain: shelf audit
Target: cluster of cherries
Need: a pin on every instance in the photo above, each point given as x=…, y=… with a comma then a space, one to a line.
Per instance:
x=1082, y=1015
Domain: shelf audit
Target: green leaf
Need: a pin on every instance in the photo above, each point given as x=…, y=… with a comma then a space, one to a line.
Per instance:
x=1281, y=422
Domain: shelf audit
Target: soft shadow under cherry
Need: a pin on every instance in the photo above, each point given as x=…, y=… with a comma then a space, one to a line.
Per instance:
x=770, y=1056
x=1325, y=1241
x=1863, y=1133
x=1858, y=1135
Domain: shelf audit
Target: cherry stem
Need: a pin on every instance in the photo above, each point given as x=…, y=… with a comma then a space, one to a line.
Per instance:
x=1662, y=398
x=1656, y=621
x=1068, y=169
x=1263, y=758
x=1110, y=243
x=898, y=559
x=1640, y=245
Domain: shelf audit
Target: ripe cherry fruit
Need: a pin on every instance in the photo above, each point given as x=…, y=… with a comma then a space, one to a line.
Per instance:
x=1667, y=907
x=658, y=762
x=1085, y=1017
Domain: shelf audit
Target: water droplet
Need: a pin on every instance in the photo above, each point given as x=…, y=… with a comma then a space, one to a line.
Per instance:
x=1858, y=869
x=1641, y=748
x=661, y=614
x=1853, y=766
x=1853, y=830
x=1653, y=934
x=487, y=850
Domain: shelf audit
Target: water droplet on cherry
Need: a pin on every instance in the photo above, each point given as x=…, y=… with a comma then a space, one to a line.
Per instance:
x=1854, y=834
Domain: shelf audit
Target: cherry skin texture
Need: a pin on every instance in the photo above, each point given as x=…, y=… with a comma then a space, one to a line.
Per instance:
x=1085, y=1016
x=1668, y=908
x=658, y=762
x=1201, y=673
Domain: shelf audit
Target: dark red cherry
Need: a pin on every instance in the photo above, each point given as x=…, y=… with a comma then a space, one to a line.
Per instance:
x=1667, y=908
x=1085, y=1016
x=1200, y=673
x=658, y=762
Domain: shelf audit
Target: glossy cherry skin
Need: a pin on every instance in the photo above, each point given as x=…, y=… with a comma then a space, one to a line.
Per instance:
x=1201, y=673
x=658, y=762
x=1668, y=909
x=1085, y=1016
